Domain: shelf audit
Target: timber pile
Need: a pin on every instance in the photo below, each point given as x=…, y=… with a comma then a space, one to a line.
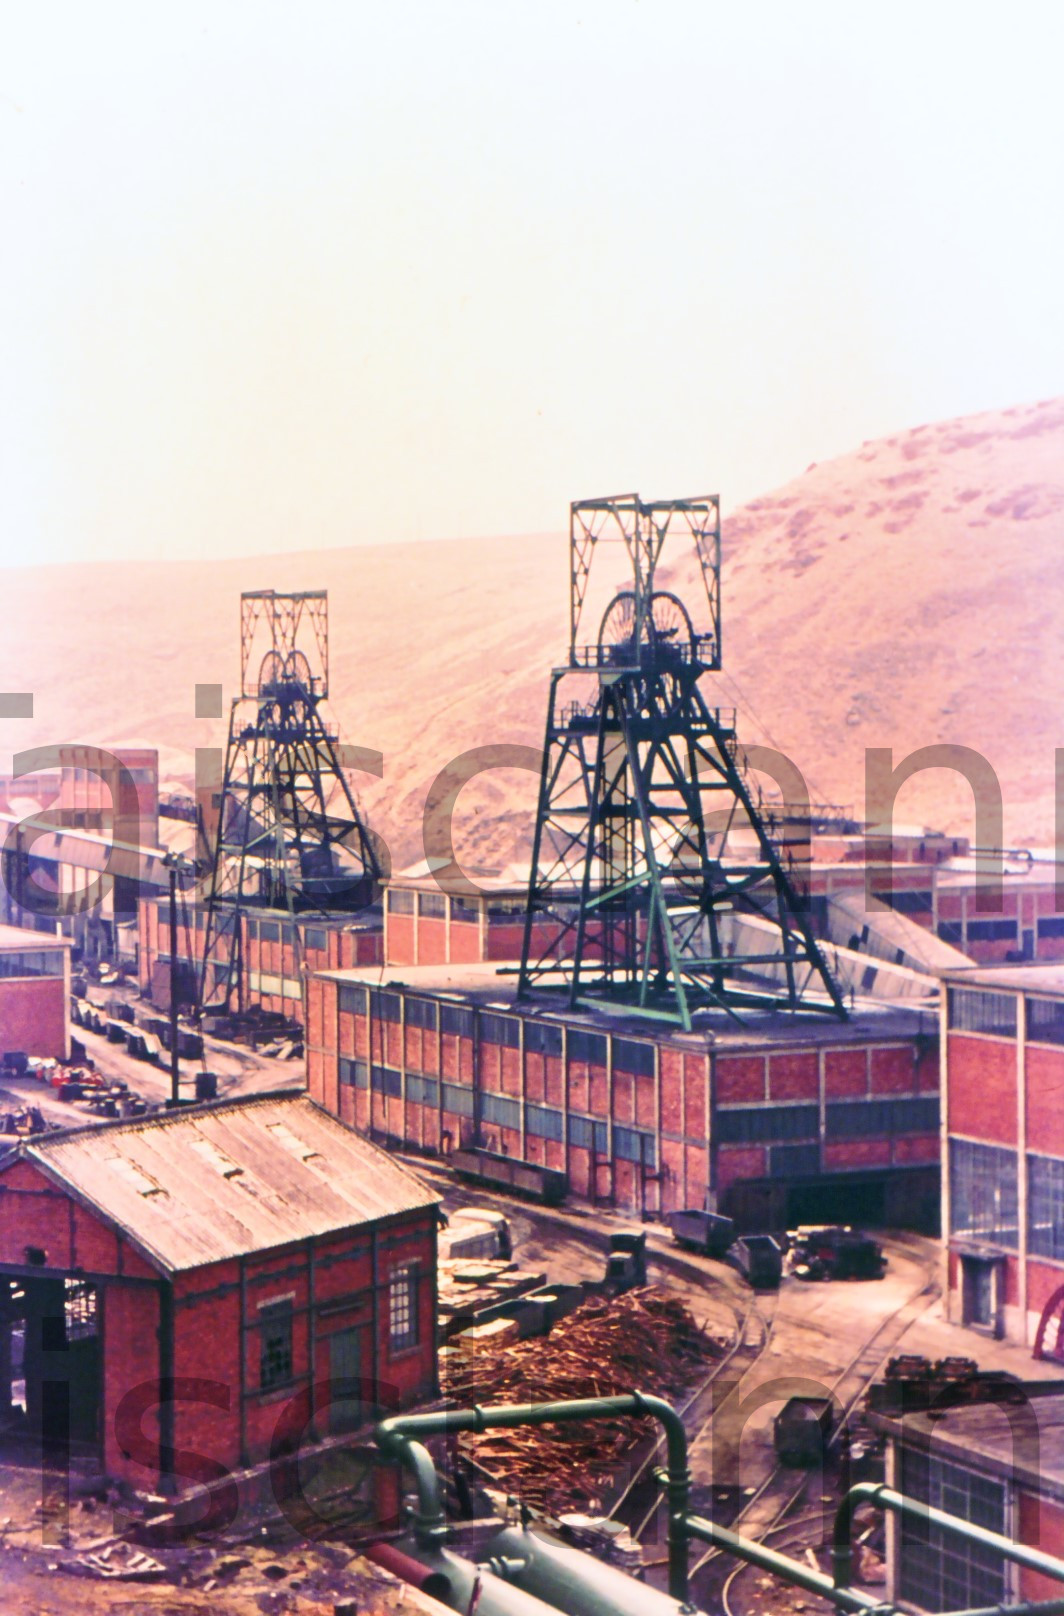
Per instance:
x=644, y=1341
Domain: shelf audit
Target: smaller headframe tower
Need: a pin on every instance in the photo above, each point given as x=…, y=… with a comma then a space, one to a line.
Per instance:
x=289, y=832
x=656, y=884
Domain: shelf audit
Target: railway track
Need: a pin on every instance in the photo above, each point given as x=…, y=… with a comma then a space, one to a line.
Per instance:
x=769, y=1508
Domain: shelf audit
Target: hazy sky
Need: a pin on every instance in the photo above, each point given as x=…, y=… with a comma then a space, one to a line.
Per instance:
x=284, y=276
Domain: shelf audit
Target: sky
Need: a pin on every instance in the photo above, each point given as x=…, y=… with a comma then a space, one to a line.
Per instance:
x=291, y=276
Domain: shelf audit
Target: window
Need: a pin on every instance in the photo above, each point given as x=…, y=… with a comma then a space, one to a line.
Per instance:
x=458, y=1099
x=907, y=903
x=505, y=1113
x=399, y=902
x=355, y=1073
x=757, y=1124
x=432, y=906
x=32, y=962
x=275, y=1343
x=402, y=1307
x=269, y=931
x=939, y=1570
x=794, y=1161
x=543, y=1121
x=1045, y=1206
x=588, y=1134
x=465, y=910
x=353, y=999
x=587, y=1046
x=543, y=1038
x=456, y=1019
x=983, y=1192
x=386, y=1080
x=385, y=1006
x=631, y=1145
x=951, y=931
x=973, y=1011
x=991, y=931
x=316, y=937
x=862, y=1119
x=1051, y=926
x=628, y=1056
x=422, y=1013
x=506, y=908
x=422, y=1090
x=1045, y=1021
x=505, y=1030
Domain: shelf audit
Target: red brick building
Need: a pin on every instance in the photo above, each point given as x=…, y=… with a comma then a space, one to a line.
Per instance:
x=784, y=1118
x=34, y=993
x=1003, y=1143
x=278, y=951
x=1001, y=1467
x=279, y=1268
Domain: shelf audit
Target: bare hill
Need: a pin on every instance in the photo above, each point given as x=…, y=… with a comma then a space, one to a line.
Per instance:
x=907, y=594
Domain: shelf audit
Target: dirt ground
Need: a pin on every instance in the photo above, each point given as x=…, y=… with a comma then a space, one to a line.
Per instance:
x=55, y=1559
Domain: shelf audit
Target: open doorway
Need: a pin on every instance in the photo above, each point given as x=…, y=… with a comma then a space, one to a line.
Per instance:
x=50, y=1360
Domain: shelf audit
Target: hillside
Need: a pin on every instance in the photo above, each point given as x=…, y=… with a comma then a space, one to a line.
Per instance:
x=906, y=594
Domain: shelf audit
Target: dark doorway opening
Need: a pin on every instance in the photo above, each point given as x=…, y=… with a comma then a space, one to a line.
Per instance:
x=50, y=1360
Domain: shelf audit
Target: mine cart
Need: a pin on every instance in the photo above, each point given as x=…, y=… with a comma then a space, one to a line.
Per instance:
x=801, y=1429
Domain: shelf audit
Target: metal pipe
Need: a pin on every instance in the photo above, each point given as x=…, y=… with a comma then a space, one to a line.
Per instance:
x=396, y=1437
x=842, y=1597
x=781, y=1565
x=882, y=1497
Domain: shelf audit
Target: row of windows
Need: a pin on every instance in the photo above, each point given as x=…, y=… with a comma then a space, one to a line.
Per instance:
x=971, y=1010
x=759, y=1124
x=991, y=931
x=863, y=1119
x=32, y=962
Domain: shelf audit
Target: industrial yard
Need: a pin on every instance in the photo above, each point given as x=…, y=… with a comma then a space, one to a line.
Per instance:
x=490, y=1204
x=531, y=1021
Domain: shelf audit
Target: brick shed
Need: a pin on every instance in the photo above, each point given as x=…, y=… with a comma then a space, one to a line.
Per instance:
x=274, y=1268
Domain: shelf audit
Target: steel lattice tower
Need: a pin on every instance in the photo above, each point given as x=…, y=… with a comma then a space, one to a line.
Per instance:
x=655, y=882
x=289, y=832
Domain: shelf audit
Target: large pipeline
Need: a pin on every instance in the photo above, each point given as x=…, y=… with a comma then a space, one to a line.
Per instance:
x=398, y=1437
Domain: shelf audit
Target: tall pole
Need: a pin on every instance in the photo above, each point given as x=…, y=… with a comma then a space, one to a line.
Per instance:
x=175, y=1078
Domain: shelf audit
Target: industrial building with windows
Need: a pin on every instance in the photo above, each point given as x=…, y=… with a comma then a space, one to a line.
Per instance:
x=779, y=1120
x=1003, y=1166
x=300, y=1252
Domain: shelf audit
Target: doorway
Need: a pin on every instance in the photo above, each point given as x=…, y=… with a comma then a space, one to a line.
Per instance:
x=347, y=1407
x=50, y=1360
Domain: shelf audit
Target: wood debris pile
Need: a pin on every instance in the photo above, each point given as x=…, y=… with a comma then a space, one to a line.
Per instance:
x=645, y=1340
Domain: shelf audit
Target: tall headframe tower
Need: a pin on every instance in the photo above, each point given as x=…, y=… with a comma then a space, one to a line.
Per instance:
x=289, y=832
x=655, y=883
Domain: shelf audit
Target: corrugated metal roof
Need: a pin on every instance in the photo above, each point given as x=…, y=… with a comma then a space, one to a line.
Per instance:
x=222, y=1181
